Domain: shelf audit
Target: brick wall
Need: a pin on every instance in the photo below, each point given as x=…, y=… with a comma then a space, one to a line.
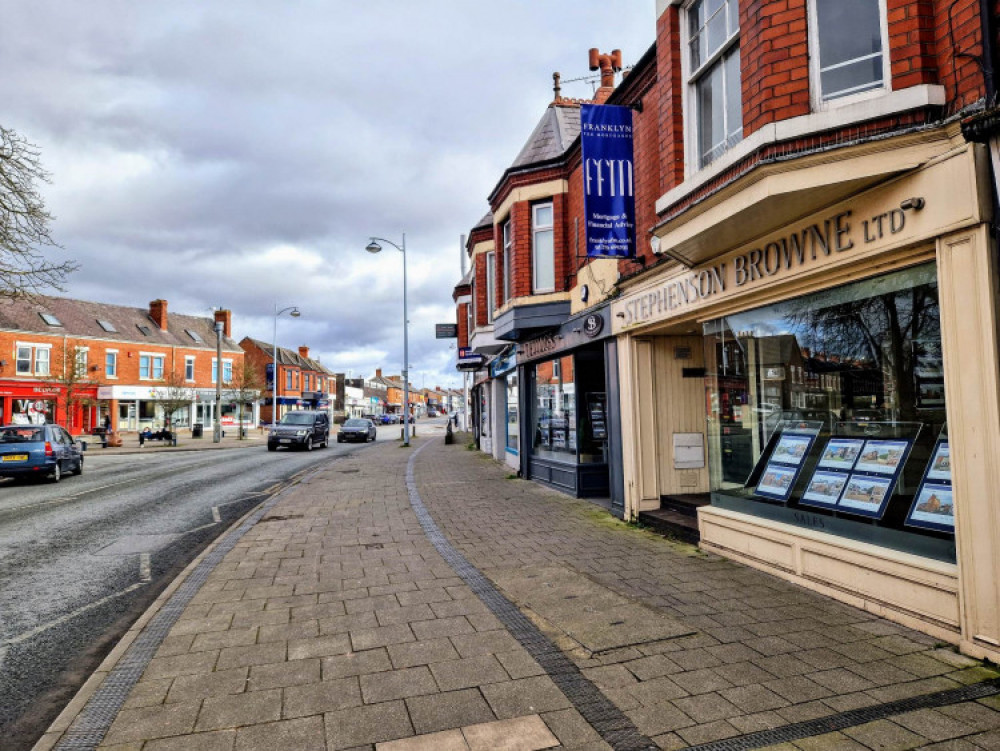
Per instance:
x=669, y=104
x=774, y=61
x=128, y=358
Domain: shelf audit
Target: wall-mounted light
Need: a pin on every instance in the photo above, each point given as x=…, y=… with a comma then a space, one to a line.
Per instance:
x=3, y=363
x=912, y=203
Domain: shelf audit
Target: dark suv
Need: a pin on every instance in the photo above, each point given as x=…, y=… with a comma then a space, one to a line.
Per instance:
x=300, y=429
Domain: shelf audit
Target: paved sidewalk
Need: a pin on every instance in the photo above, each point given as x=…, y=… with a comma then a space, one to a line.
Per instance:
x=335, y=623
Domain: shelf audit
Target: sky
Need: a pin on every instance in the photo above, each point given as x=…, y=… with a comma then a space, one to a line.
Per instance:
x=241, y=154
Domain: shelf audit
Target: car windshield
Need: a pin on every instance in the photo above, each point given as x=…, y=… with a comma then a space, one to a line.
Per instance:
x=299, y=418
x=22, y=435
x=355, y=423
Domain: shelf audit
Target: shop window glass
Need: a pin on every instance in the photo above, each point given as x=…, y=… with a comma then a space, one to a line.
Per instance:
x=32, y=412
x=829, y=411
x=513, y=437
x=554, y=419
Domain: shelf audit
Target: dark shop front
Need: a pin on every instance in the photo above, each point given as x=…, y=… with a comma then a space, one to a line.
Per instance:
x=571, y=427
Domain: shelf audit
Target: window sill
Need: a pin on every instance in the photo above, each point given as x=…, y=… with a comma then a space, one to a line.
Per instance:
x=831, y=118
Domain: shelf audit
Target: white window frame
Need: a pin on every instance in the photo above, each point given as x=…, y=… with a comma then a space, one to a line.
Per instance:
x=689, y=99
x=36, y=370
x=154, y=358
x=536, y=229
x=227, y=365
x=19, y=349
x=507, y=239
x=815, y=83
x=111, y=359
x=189, y=372
x=81, y=361
x=491, y=285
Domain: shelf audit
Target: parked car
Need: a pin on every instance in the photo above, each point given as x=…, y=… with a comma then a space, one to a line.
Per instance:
x=388, y=419
x=357, y=429
x=39, y=451
x=303, y=429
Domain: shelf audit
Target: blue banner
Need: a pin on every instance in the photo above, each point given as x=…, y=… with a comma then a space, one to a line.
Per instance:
x=608, y=184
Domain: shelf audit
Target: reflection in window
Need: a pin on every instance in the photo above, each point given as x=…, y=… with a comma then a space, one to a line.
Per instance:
x=862, y=360
x=513, y=437
x=849, y=41
x=554, y=423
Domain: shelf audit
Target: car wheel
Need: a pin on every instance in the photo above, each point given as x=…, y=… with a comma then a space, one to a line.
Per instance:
x=79, y=466
x=56, y=475
x=340, y=439
x=309, y=444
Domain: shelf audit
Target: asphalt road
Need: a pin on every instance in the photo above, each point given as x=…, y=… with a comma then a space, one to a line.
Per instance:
x=82, y=559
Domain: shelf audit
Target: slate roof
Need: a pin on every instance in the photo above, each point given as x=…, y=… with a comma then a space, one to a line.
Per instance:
x=555, y=132
x=79, y=319
x=289, y=357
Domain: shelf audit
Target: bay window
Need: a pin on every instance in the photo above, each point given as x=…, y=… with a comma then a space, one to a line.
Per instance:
x=543, y=260
x=848, y=47
x=714, y=94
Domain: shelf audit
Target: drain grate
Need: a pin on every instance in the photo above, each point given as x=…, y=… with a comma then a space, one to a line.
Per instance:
x=853, y=718
x=607, y=719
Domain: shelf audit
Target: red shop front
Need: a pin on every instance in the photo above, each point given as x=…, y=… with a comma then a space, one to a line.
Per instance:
x=36, y=404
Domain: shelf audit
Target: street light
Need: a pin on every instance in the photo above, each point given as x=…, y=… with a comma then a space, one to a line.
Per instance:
x=217, y=429
x=293, y=311
x=374, y=247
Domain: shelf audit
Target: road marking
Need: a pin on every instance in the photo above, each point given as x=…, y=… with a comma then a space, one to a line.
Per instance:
x=216, y=517
x=14, y=640
x=145, y=567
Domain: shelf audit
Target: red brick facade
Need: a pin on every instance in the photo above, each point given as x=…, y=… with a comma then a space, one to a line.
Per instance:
x=930, y=43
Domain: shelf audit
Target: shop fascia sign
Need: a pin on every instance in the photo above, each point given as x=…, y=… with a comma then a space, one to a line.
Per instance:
x=809, y=245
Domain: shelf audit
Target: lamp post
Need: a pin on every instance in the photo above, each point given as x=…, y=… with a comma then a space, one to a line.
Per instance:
x=374, y=247
x=293, y=311
x=217, y=429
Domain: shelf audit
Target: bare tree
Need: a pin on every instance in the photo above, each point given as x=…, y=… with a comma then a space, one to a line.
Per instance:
x=245, y=386
x=177, y=395
x=24, y=222
x=69, y=368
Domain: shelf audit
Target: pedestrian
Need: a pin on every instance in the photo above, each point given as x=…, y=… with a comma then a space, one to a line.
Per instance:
x=107, y=423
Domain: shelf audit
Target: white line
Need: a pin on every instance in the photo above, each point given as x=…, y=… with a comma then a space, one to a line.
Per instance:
x=69, y=616
x=197, y=529
x=145, y=567
x=216, y=517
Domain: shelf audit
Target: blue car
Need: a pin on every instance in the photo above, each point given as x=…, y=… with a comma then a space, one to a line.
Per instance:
x=39, y=451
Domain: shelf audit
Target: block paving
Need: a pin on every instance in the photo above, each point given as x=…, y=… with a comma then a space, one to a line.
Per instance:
x=335, y=624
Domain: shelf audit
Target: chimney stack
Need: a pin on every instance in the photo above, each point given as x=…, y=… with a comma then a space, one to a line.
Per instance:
x=226, y=316
x=304, y=352
x=158, y=312
x=378, y=372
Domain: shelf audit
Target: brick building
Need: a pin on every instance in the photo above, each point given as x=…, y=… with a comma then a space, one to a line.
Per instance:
x=302, y=382
x=803, y=352
x=76, y=362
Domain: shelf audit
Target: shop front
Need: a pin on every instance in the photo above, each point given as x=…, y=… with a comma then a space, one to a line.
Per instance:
x=140, y=407
x=829, y=387
x=569, y=432
x=507, y=409
x=24, y=404
x=39, y=404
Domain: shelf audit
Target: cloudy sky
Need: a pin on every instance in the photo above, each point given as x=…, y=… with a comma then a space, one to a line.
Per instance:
x=241, y=153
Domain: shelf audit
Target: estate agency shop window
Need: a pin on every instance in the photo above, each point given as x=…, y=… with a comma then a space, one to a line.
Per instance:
x=829, y=410
x=568, y=421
